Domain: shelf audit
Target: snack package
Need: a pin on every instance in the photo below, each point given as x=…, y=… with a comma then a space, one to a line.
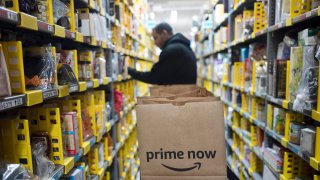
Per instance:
x=60, y=10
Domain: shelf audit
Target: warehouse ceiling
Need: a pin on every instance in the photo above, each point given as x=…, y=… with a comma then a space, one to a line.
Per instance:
x=178, y=13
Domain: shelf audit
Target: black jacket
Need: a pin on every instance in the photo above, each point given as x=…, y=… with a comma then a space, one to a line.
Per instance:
x=177, y=64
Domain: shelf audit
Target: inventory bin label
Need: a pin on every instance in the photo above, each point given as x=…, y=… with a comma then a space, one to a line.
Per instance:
x=11, y=103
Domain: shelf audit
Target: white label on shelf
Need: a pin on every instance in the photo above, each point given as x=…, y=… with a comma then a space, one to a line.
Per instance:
x=50, y=28
x=12, y=16
x=50, y=94
x=308, y=14
x=73, y=88
x=10, y=103
x=14, y=61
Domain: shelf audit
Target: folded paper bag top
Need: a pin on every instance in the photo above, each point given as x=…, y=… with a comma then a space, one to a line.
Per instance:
x=179, y=141
x=171, y=89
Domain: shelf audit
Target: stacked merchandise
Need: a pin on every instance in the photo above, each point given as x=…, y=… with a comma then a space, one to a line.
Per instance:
x=67, y=101
x=269, y=85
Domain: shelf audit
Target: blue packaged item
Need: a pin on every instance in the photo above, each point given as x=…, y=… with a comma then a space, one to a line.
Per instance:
x=244, y=54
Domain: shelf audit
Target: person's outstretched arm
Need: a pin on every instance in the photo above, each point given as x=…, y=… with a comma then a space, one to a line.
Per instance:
x=169, y=62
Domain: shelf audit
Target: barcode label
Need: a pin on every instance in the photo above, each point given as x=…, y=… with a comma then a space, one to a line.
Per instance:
x=12, y=16
x=50, y=28
x=11, y=103
x=50, y=94
x=73, y=88
x=308, y=14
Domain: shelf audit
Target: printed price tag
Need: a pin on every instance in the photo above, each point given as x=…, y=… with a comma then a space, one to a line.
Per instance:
x=11, y=103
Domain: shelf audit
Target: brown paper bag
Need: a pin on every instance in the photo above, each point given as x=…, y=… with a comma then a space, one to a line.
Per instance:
x=181, y=138
x=179, y=91
x=171, y=89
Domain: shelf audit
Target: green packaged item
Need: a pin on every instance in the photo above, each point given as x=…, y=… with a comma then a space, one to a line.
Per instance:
x=295, y=132
x=309, y=37
x=279, y=116
x=295, y=72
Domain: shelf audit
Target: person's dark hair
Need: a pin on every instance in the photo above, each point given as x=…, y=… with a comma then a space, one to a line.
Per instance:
x=163, y=26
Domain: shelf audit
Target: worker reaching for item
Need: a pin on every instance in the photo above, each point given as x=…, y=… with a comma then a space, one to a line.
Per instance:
x=177, y=62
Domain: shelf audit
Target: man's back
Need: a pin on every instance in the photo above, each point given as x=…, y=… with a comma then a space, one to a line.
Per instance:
x=178, y=60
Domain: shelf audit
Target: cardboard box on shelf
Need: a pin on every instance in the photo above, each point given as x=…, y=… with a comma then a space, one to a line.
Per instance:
x=174, y=137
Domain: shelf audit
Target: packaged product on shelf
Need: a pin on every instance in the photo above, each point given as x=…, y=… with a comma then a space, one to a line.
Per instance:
x=238, y=27
x=69, y=124
x=247, y=73
x=278, y=11
x=14, y=171
x=261, y=77
x=278, y=120
x=309, y=37
x=99, y=67
x=315, y=4
x=285, y=10
x=42, y=138
x=307, y=141
x=118, y=101
x=272, y=157
x=39, y=67
x=87, y=130
x=76, y=173
x=247, y=23
x=281, y=75
x=66, y=75
x=5, y=88
x=60, y=11
x=261, y=110
x=268, y=174
x=283, y=51
x=295, y=71
x=86, y=25
x=42, y=166
x=306, y=95
x=295, y=132
x=110, y=143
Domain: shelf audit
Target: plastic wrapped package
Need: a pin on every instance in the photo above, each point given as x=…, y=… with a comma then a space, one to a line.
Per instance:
x=295, y=72
x=261, y=77
x=59, y=10
x=42, y=166
x=15, y=172
x=295, y=132
x=5, y=88
x=39, y=67
x=306, y=98
x=247, y=73
x=278, y=11
x=99, y=67
x=285, y=10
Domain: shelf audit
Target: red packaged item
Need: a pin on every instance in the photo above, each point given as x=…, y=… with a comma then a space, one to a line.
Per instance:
x=118, y=101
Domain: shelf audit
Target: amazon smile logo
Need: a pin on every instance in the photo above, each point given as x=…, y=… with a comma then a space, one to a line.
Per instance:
x=196, y=165
x=165, y=154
